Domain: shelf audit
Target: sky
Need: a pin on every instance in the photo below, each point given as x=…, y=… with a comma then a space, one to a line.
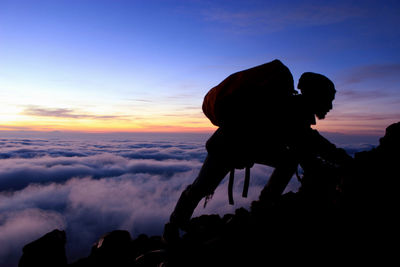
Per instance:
x=145, y=66
x=101, y=126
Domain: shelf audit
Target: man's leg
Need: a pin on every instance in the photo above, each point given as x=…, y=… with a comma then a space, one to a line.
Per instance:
x=213, y=171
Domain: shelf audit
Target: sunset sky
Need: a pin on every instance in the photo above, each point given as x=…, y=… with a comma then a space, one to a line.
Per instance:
x=97, y=99
x=109, y=66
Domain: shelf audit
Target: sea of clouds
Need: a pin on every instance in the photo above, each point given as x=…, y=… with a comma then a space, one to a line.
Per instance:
x=89, y=185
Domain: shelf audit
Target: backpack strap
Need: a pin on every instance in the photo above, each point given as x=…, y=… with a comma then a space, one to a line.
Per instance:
x=245, y=185
x=246, y=181
x=230, y=186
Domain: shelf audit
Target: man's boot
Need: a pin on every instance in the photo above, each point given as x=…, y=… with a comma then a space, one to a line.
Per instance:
x=181, y=215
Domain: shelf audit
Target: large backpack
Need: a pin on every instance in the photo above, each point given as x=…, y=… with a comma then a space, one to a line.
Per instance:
x=249, y=95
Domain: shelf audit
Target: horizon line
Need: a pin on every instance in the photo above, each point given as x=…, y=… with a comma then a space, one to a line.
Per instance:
x=148, y=131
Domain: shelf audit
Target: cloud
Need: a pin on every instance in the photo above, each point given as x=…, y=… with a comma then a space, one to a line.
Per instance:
x=129, y=182
x=367, y=98
x=18, y=173
x=142, y=100
x=17, y=228
x=371, y=72
x=365, y=116
x=363, y=95
x=114, y=184
x=272, y=18
x=65, y=113
x=26, y=161
x=87, y=208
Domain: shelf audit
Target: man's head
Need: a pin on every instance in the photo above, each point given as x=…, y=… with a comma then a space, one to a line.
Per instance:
x=319, y=92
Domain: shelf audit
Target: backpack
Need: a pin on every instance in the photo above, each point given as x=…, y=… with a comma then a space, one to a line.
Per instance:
x=249, y=95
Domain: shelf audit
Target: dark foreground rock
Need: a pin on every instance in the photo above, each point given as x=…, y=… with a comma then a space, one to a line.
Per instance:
x=339, y=216
x=49, y=250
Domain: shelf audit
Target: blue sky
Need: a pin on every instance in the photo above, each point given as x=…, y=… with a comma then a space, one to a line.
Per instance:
x=146, y=65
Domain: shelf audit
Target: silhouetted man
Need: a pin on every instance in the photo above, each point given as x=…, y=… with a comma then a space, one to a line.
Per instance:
x=282, y=141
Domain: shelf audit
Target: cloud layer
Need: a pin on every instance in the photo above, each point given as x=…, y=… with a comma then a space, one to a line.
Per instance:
x=89, y=186
x=64, y=113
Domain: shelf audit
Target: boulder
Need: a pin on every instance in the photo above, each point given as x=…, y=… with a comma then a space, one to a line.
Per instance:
x=49, y=250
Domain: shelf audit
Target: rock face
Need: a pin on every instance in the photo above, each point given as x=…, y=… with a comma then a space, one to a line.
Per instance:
x=340, y=215
x=49, y=250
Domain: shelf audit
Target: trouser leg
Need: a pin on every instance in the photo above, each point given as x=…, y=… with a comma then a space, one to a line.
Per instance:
x=214, y=169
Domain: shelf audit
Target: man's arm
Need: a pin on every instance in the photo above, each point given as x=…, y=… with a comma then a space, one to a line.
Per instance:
x=320, y=146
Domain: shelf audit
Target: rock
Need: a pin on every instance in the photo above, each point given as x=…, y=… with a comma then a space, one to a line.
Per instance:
x=391, y=140
x=49, y=250
x=112, y=249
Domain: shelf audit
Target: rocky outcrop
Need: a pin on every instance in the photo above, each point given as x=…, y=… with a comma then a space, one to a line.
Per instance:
x=49, y=250
x=339, y=216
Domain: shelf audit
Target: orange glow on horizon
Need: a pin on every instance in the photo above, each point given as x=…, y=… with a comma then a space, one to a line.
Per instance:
x=98, y=127
x=170, y=124
x=114, y=127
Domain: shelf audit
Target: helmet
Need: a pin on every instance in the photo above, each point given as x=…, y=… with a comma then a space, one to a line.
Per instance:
x=314, y=84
